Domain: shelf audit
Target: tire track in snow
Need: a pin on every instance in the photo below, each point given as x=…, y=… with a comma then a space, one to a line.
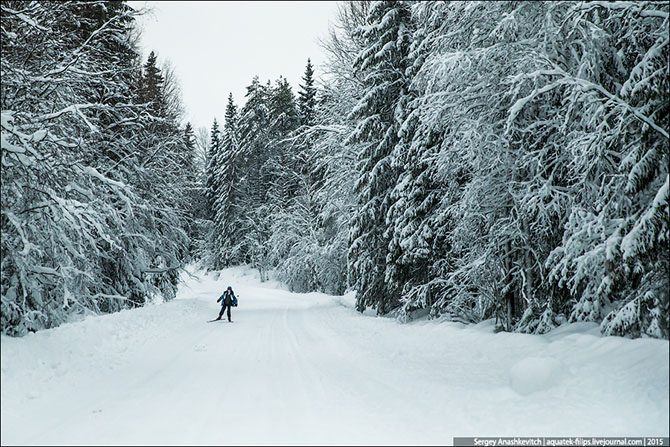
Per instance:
x=364, y=392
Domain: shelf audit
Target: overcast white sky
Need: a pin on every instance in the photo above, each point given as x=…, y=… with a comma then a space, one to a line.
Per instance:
x=217, y=47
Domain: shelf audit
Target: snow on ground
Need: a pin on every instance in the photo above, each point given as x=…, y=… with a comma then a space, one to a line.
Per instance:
x=307, y=369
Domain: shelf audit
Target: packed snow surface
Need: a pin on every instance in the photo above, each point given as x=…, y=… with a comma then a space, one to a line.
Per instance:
x=308, y=369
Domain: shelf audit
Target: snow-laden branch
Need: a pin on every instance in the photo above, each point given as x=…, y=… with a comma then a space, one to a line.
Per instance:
x=76, y=109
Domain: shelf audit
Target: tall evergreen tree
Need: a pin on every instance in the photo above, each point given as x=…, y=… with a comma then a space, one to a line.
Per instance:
x=212, y=188
x=283, y=110
x=227, y=222
x=189, y=136
x=382, y=65
x=212, y=192
x=254, y=151
x=189, y=180
x=282, y=165
x=151, y=86
x=307, y=96
x=189, y=149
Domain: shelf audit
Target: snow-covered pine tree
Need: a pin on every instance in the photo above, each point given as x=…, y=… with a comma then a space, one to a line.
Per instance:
x=282, y=167
x=251, y=209
x=189, y=138
x=382, y=65
x=151, y=86
x=227, y=222
x=307, y=96
x=417, y=236
x=212, y=191
x=193, y=190
x=308, y=172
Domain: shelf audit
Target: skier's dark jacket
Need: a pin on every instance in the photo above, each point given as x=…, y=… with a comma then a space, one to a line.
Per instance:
x=227, y=298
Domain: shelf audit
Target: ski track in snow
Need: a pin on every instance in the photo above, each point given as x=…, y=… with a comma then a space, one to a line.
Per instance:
x=308, y=369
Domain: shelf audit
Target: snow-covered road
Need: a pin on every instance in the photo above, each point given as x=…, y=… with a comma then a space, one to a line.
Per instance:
x=307, y=369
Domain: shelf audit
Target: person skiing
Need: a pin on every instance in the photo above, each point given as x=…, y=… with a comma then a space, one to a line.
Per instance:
x=228, y=300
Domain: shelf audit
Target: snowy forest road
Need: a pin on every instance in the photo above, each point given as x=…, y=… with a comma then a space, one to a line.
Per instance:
x=308, y=369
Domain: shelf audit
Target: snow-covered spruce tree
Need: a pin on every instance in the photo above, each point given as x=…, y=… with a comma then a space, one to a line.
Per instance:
x=212, y=257
x=282, y=167
x=151, y=86
x=189, y=144
x=417, y=245
x=80, y=221
x=307, y=96
x=226, y=222
x=146, y=153
x=434, y=169
x=382, y=64
x=611, y=59
x=194, y=192
x=212, y=160
x=251, y=211
x=302, y=145
x=307, y=167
